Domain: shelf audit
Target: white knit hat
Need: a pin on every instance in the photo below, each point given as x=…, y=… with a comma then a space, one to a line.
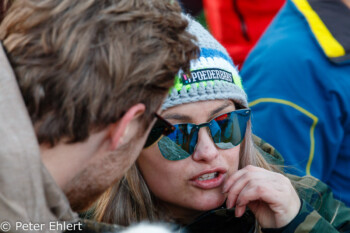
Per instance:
x=213, y=74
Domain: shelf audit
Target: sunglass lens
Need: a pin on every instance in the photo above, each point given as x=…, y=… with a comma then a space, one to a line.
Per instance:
x=232, y=128
x=170, y=150
x=182, y=141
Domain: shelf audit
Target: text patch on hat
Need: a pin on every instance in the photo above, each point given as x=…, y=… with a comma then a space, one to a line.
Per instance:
x=209, y=74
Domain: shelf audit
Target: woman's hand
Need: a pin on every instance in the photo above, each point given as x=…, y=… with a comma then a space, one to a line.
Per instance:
x=269, y=195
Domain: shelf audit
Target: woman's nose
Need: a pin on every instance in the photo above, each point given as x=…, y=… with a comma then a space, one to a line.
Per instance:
x=205, y=149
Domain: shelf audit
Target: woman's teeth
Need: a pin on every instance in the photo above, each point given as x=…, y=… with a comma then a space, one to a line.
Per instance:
x=208, y=176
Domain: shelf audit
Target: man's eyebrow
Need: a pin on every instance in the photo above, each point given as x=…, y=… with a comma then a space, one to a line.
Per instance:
x=226, y=104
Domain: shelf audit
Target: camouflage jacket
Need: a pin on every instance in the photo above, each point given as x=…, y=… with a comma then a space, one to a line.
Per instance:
x=319, y=211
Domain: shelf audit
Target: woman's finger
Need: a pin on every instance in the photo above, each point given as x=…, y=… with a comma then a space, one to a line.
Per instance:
x=231, y=179
x=240, y=182
x=239, y=211
x=234, y=177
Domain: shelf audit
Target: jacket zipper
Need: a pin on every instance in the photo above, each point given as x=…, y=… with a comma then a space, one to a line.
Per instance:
x=244, y=27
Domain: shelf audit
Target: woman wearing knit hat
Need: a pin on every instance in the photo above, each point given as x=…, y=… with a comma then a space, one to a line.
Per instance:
x=206, y=172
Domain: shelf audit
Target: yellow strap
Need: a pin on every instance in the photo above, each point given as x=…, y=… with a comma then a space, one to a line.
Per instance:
x=302, y=110
x=331, y=47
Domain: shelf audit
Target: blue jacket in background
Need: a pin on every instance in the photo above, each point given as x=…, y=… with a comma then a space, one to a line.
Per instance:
x=298, y=83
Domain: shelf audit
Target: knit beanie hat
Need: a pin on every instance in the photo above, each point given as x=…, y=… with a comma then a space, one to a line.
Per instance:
x=213, y=74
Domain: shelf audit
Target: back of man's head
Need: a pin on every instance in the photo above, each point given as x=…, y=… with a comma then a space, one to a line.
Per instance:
x=92, y=73
x=81, y=65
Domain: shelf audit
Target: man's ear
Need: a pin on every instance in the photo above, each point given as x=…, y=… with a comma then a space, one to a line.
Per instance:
x=120, y=131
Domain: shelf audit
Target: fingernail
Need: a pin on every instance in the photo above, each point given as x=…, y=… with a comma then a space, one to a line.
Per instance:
x=238, y=212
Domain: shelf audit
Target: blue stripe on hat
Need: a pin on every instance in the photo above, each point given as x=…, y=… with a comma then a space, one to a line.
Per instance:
x=207, y=52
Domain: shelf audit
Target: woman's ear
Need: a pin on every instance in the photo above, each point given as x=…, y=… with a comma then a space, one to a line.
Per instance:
x=127, y=127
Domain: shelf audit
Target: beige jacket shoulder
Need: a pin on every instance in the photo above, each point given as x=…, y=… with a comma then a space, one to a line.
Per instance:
x=28, y=193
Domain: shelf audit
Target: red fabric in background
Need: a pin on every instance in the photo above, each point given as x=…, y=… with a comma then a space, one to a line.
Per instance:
x=226, y=26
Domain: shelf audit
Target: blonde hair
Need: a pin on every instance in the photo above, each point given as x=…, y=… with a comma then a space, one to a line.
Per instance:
x=131, y=201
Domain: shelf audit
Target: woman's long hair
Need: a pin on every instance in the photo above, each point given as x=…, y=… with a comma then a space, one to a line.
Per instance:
x=131, y=201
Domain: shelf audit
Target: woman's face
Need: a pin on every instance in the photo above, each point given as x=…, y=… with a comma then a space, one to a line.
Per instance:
x=193, y=184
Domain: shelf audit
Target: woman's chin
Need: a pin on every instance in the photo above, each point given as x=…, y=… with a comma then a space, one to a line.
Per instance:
x=209, y=203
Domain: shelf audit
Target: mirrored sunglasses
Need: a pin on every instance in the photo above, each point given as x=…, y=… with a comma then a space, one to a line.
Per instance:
x=226, y=130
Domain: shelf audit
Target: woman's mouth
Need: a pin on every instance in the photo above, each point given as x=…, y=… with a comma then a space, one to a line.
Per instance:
x=209, y=179
x=208, y=176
